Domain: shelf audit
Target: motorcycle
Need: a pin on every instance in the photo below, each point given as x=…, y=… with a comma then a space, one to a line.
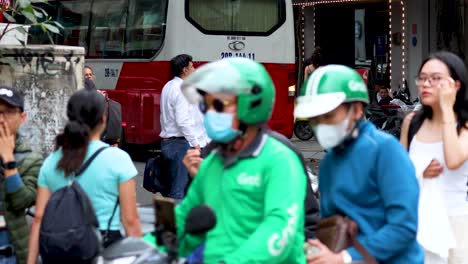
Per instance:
x=390, y=117
x=303, y=129
x=132, y=250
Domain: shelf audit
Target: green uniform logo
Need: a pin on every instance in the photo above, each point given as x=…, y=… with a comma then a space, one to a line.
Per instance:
x=277, y=242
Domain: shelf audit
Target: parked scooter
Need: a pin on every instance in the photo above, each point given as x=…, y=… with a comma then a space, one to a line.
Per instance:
x=390, y=117
x=133, y=250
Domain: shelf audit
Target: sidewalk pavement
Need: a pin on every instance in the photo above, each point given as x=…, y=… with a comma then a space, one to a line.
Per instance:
x=311, y=150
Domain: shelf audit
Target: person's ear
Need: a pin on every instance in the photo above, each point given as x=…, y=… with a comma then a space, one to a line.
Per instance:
x=457, y=85
x=104, y=118
x=24, y=116
x=358, y=109
x=185, y=70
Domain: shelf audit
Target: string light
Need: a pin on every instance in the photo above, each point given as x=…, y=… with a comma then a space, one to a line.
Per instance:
x=307, y=4
x=403, y=44
x=390, y=30
x=390, y=38
x=303, y=32
x=403, y=41
x=313, y=11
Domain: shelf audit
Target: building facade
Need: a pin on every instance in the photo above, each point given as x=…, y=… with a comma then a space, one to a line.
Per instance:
x=391, y=36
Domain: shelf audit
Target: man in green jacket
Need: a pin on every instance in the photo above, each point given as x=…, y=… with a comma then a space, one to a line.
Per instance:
x=18, y=179
x=255, y=184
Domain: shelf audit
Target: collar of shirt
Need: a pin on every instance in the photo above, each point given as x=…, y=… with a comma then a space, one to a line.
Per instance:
x=252, y=150
x=178, y=79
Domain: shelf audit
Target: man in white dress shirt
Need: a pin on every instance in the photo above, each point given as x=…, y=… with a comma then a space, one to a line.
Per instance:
x=181, y=126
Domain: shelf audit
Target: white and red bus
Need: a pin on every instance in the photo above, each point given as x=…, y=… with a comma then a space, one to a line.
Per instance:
x=129, y=44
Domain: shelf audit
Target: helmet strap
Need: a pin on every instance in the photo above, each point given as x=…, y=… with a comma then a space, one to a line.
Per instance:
x=351, y=136
x=243, y=128
x=236, y=143
x=232, y=145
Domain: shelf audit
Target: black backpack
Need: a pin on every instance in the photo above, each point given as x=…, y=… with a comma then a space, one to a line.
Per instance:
x=156, y=177
x=69, y=228
x=113, y=133
x=311, y=205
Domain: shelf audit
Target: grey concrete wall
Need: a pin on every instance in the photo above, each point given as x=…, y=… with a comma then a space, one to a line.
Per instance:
x=418, y=40
x=47, y=76
x=397, y=50
x=360, y=43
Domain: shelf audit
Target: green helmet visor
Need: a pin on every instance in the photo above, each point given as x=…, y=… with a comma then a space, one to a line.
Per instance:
x=216, y=77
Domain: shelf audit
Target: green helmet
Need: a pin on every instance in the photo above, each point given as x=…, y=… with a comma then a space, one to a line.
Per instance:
x=245, y=78
x=327, y=88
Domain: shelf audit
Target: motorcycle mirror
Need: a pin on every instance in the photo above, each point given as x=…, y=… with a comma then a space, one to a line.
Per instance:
x=200, y=220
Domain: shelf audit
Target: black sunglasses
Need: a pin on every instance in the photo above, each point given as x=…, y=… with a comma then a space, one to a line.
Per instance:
x=217, y=104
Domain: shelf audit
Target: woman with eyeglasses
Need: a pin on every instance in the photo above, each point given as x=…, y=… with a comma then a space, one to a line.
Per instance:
x=437, y=140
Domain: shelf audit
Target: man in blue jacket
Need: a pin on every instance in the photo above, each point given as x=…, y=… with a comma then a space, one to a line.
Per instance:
x=366, y=174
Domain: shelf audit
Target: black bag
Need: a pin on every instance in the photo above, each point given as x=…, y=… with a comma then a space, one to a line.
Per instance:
x=339, y=233
x=69, y=228
x=155, y=177
x=113, y=133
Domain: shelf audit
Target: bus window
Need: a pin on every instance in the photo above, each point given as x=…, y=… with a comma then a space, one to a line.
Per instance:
x=73, y=15
x=127, y=29
x=145, y=28
x=243, y=17
x=108, y=28
x=108, y=22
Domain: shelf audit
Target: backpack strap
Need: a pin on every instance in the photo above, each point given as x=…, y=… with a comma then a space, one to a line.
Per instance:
x=311, y=206
x=88, y=162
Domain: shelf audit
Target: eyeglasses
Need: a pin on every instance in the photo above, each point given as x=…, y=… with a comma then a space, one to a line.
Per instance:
x=434, y=79
x=217, y=104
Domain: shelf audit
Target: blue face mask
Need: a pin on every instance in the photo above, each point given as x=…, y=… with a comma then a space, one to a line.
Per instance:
x=219, y=126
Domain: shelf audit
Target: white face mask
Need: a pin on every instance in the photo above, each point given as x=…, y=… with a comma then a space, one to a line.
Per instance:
x=330, y=136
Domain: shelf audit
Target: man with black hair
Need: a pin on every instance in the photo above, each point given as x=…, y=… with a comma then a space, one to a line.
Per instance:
x=19, y=169
x=181, y=126
x=113, y=133
x=384, y=95
x=312, y=63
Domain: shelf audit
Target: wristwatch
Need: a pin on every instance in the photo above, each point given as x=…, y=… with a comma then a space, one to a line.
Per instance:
x=9, y=165
x=346, y=257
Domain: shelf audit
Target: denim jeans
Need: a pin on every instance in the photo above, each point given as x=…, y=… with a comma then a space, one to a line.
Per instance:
x=197, y=255
x=174, y=151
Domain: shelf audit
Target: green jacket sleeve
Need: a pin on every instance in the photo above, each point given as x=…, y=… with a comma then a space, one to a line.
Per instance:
x=188, y=243
x=281, y=234
x=25, y=196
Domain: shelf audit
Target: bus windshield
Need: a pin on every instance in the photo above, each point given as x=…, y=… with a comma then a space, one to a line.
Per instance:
x=109, y=28
x=242, y=17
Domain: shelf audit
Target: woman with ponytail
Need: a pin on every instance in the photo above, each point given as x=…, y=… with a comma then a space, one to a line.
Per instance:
x=109, y=177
